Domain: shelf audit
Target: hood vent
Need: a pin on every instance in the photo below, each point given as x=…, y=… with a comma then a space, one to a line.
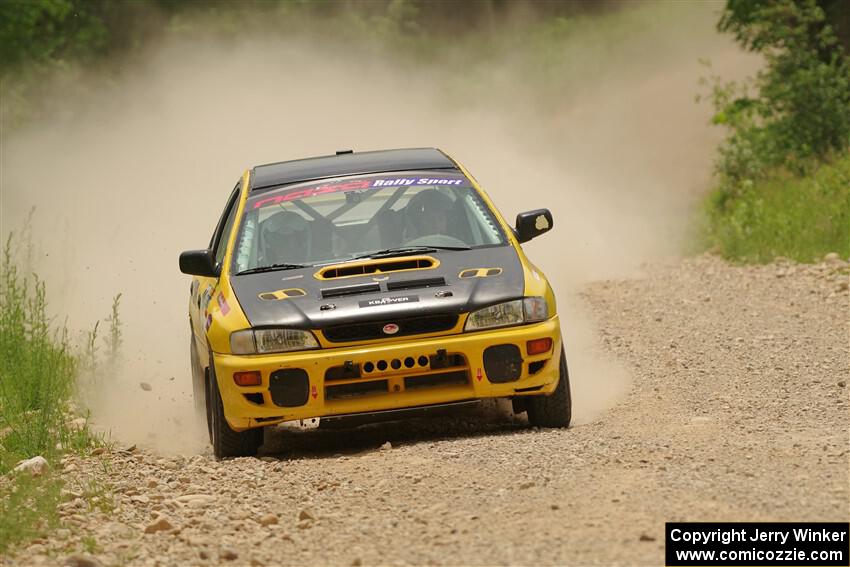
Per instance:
x=371, y=267
x=350, y=290
x=480, y=273
x=414, y=284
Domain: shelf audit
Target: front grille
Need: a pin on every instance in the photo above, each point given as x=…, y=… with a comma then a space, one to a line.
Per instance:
x=344, y=372
x=356, y=389
x=386, y=376
x=375, y=329
x=434, y=380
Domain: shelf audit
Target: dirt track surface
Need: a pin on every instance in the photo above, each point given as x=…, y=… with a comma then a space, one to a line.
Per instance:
x=738, y=411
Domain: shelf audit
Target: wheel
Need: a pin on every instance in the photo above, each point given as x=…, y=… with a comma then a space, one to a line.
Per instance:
x=225, y=441
x=199, y=394
x=520, y=404
x=208, y=404
x=554, y=410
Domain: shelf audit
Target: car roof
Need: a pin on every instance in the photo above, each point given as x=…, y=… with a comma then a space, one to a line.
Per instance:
x=347, y=162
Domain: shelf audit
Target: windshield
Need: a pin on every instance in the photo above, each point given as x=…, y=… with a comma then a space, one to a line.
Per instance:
x=345, y=218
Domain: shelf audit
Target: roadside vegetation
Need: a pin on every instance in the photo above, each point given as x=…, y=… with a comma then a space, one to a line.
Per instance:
x=39, y=367
x=798, y=216
x=783, y=171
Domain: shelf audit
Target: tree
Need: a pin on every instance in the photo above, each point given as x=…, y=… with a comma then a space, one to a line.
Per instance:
x=798, y=107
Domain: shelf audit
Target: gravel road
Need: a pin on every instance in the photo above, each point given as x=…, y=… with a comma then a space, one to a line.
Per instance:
x=738, y=410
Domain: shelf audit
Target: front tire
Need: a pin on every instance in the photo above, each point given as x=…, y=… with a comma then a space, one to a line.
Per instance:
x=554, y=410
x=225, y=441
x=199, y=394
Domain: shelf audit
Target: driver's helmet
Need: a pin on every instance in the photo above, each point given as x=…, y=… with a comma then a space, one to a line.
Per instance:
x=284, y=237
x=427, y=213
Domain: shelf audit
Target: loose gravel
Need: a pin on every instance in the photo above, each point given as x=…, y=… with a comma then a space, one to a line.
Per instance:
x=738, y=411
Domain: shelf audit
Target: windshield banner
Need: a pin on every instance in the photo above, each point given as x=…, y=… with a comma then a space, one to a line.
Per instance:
x=324, y=187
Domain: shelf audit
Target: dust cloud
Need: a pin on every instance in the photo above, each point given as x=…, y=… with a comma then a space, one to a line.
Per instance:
x=139, y=171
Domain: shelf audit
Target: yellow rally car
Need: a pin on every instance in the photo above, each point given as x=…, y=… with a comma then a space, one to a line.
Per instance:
x=365, y=283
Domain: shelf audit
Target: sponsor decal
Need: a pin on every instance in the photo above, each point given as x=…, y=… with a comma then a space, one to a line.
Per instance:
x=222, y=304
x=285, y=195
x=205, y=298
x=389, y=301
x=314, y=392
x=541, y=222
x=295, y=195
x=402, y=181
x=390, y=329
x=208, y=323
x=478, y=375
x=243, y=249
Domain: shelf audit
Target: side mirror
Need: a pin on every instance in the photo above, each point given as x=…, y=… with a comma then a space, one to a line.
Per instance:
x=198, y=263
x=533, y=223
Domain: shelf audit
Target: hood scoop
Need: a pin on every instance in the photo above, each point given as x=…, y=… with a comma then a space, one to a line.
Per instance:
x=350, y=290
x=380, y=266
x=415, y=284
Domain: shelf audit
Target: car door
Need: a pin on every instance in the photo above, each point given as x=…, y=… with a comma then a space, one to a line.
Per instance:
x=204, y=287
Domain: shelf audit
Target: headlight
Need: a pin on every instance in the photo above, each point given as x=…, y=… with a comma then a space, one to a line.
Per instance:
x=517, y=312
x=535, y=309
x=262, y=341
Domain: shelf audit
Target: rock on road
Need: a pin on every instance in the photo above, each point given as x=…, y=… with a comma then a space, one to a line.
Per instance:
x=738, y=411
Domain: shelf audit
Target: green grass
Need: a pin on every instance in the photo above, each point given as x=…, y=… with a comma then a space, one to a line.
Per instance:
x=793, y=216
x=38, y=368
x=27, y=508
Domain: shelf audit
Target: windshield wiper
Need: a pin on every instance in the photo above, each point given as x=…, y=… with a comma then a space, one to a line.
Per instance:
x=271, y=268
x=403, y=250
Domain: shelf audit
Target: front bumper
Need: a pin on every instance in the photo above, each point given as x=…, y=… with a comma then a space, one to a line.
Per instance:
x=389, y=375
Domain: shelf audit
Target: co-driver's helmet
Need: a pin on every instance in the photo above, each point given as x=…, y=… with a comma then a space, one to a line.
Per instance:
x=284, y=237
x=427, y=213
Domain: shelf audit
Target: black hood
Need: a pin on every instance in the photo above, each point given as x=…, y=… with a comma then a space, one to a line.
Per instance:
x=382, y=296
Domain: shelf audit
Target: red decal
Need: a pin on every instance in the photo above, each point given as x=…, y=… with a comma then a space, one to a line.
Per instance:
x=268, y=201
x=294, y=196
x=222, y=304
x=478, y=375
x=313, y=191
x=314, y=393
